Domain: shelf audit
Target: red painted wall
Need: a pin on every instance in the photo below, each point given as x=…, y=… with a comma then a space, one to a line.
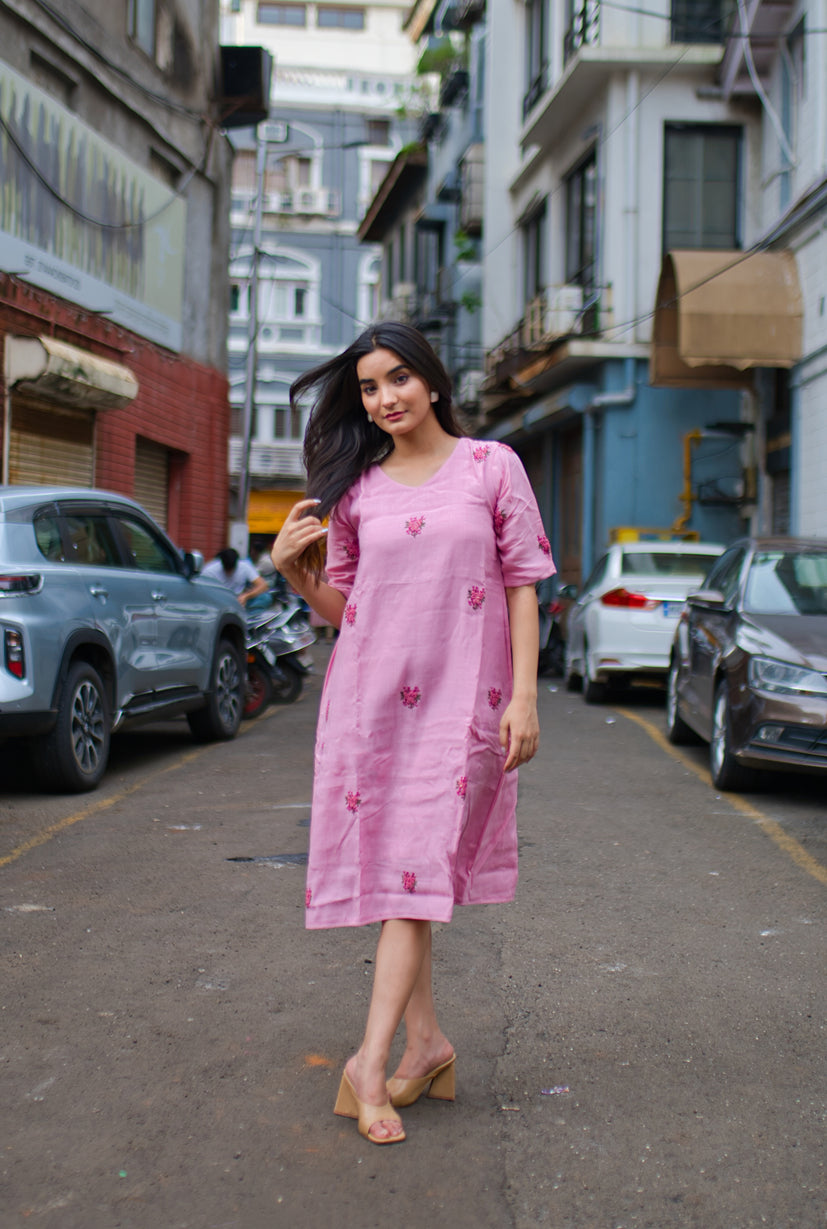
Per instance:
x=181, y=405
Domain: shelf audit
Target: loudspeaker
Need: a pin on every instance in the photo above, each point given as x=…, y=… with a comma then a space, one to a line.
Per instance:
x=244, y=86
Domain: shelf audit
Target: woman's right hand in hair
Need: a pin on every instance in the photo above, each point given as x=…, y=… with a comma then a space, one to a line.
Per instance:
x=296, y=534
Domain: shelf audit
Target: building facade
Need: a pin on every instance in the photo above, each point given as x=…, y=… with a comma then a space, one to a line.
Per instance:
x=776, y=56
x=621, y=159
x=428, y=213
x=114, y=232
x=342, y=99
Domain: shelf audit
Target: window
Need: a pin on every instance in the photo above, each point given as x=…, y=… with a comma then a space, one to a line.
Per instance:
x=287, y=423
x=281, y=14
x=698, y=21
x=700, y=191
x=379, y=131
x=726, y=574
x=536, y=54
x=581, y=224
x=140, y=24
x=428, y=257
x=144, y=549
x=330, y=17
x=533, y=231
x=89, y=540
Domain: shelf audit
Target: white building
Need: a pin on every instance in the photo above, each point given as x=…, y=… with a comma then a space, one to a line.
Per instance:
x=782, y=67
x=612, y=148
x=342, y=88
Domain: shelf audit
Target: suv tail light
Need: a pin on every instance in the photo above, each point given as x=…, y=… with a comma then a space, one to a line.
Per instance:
x=629, y=600
x=14, y=654
x=12, y=583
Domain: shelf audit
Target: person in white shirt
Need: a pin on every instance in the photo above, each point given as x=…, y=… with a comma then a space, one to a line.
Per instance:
x=237, y=574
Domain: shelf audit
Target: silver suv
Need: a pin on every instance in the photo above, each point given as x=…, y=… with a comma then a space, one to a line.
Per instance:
x=103, y=624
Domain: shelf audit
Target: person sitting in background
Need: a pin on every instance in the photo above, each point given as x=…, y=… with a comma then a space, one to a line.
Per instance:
x=237, y=574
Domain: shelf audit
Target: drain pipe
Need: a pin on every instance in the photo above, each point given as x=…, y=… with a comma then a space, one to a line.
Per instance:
x=621, y=399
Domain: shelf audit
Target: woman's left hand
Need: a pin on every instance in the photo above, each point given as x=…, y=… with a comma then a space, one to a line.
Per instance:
x=519, y=732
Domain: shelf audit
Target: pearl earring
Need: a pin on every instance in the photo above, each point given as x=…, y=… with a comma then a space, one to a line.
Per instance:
x=369, y=417
x=434, y=395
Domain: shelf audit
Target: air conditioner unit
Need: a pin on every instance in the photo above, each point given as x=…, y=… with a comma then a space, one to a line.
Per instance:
x=274, y=131
x=563, y=307
x=403, y=301
x=321, y=201
x=279, y=202
x=468, y=387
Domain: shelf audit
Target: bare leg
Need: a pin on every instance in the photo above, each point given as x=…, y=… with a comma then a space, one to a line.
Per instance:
x=400, y=953
x=427, y=1046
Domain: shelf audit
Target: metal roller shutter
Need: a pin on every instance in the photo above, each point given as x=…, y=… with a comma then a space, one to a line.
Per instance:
x=152, y=479
x=50, y=445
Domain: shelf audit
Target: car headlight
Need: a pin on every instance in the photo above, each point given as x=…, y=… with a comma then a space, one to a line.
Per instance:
x=778, y=677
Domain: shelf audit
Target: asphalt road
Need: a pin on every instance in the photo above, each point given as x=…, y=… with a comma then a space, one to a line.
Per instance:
x=640, y=1036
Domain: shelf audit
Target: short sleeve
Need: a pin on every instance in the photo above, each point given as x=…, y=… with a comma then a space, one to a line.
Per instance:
x=524, y=549
x=343, y=544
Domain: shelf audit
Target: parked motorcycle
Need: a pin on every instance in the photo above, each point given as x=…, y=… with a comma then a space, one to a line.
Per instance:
x=552, y=610
x=276, y=659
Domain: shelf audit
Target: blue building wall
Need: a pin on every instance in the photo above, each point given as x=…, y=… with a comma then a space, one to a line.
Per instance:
x=639, y=458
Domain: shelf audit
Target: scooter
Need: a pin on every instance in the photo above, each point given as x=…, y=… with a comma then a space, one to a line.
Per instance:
x=552, y=642
x=276, y=659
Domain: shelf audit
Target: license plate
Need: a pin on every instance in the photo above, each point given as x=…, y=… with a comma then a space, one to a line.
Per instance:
x=671, y=610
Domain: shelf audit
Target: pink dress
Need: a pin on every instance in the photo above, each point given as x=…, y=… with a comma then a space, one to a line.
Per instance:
x=412, y=812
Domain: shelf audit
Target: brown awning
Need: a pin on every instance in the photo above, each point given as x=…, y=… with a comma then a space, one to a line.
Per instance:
x=717, y=314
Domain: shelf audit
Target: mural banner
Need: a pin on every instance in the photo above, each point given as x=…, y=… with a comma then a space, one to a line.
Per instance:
x=82, y=221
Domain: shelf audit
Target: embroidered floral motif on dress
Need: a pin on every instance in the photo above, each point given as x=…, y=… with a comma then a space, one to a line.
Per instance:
x=462, y=786
x=543, y=543
x=476, y=596
x=499, y=519
x=410, y=696
x=481, y=452
x=350, y=614
x=308, y=896
x=353, y=800
x=495, y=697
x=350, y=548
x=409, y=881
x=414, y=526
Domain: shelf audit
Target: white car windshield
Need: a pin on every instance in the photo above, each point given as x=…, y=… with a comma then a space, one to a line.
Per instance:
x=666, y=563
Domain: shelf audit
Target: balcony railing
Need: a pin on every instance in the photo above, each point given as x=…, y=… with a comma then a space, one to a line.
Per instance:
x=584, y=29
x=555, y=315
x=281, y=459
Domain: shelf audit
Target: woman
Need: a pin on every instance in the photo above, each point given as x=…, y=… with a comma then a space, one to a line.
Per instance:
x=434, y=547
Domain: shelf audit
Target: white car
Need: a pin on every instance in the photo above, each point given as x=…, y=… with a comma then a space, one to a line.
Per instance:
x=620, y=629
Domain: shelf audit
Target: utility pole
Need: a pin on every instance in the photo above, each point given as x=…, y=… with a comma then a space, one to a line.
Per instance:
x=240, y=531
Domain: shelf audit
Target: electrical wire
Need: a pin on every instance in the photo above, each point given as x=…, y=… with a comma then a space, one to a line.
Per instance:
x=101, y=223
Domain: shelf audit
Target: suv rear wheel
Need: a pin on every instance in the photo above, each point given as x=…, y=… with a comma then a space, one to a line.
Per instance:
x=220, y=717
x=73, y=756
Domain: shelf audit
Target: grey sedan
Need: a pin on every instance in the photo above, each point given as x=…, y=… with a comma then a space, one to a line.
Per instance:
x=748, y=670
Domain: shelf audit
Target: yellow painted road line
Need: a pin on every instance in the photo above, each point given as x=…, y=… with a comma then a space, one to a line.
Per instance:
x=94, y=808
x=103, y=804
x=791, y=847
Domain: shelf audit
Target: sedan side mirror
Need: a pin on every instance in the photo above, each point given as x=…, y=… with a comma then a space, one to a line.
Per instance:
x=193, y=563
x=707, y=599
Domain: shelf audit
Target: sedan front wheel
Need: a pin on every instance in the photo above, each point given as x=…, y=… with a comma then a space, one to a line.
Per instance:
x=727, y=773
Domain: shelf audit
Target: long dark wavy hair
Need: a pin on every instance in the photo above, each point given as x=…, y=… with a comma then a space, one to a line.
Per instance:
x=341, y=442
